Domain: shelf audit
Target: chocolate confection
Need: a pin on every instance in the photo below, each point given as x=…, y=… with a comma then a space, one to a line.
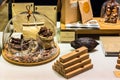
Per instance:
x=110, y=10
x=45, y=38
x=90, y=43
x=28, y=39
x=32, y=50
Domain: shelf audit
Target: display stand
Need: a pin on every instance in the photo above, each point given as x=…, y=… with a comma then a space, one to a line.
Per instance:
x=111, y=45
x=4, y=52
x=108, y=29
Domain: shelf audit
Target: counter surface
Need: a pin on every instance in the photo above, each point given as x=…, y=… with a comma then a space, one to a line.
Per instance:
x=103, y=67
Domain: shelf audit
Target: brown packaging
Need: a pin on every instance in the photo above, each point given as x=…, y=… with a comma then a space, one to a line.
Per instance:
x=69, y=11
x=85, y=10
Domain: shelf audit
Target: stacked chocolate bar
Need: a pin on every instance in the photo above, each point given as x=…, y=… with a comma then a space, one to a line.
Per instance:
x=73, y=63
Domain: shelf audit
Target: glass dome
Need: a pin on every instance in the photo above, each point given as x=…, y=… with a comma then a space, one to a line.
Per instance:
x=28, y=39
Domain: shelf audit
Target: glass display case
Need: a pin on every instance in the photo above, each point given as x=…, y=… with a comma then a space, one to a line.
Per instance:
x=28, y=39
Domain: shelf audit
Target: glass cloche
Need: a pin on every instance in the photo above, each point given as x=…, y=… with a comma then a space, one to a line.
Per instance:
x=28, y=39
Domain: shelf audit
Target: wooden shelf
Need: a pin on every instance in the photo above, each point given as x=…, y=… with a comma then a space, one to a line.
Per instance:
x=105, y=29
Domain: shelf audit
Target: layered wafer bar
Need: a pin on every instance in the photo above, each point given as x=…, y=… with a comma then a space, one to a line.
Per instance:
x=78, y=71
x=73, y=63
x=73, y=54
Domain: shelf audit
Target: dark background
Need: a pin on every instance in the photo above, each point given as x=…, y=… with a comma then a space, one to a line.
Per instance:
x=96, y=5
x=40, y=2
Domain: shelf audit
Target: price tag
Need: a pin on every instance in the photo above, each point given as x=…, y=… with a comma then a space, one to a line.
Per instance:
x=66, y=36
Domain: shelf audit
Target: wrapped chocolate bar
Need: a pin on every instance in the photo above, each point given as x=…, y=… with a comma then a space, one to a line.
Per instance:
x=85, y=10
x=110, y=11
